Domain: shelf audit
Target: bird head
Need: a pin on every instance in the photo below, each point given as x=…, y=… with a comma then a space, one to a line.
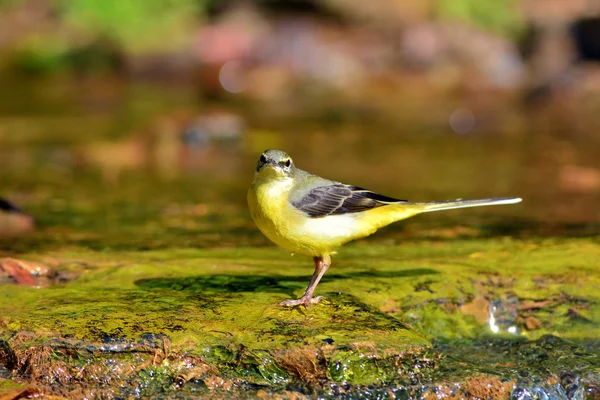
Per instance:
x=275, y=164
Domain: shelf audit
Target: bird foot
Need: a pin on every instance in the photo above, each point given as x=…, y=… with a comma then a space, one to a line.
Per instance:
x=303, y=301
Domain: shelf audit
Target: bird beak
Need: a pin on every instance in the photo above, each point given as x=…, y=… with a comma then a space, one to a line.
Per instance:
x=265, y=163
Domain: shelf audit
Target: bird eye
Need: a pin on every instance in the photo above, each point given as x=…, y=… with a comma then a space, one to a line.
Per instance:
x=288, y=163
x=263, y=159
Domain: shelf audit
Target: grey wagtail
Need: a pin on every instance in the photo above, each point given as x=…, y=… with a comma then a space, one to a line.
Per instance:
x=307, y=214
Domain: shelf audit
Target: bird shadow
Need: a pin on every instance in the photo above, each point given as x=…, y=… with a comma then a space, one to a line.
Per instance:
x=273, y=283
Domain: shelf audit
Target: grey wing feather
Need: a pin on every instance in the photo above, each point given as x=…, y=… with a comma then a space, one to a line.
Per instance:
x=338, y=198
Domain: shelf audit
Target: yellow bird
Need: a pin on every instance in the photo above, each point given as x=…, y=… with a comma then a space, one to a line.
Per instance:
x=310, y=215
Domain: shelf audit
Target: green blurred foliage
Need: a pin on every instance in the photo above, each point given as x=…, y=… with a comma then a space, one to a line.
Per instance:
x=93, y=34
x=136, y=25
x=7, y=3
x=497, y=16
x=41, y=54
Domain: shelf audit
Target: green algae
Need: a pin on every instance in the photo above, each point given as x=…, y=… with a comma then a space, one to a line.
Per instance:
x=128, y=300
x=217, y=310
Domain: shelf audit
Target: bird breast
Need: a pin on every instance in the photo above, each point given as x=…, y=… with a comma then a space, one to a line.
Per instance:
x=295, y=231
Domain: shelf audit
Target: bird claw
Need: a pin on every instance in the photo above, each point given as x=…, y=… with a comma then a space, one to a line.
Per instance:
x=303, y=301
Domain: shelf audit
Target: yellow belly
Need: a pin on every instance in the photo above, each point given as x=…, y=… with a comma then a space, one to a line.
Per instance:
x=279, y=221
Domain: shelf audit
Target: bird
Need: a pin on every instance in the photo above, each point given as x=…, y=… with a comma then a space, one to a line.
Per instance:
x=306, y=214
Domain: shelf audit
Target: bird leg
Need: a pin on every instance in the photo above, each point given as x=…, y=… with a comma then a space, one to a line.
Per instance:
x=321, y=265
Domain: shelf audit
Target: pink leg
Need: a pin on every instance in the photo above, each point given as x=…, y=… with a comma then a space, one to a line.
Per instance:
x=321, y=265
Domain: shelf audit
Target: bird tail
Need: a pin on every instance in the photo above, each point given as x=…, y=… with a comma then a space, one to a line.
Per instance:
x=459, y=203
x=382, y=216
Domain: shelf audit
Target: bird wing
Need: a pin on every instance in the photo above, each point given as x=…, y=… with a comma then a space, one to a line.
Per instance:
x=338, y=199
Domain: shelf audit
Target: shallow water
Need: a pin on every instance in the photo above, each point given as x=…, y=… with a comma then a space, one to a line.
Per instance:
x=146, y=231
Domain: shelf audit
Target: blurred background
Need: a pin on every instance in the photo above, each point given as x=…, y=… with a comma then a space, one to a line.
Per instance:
x=152, y=113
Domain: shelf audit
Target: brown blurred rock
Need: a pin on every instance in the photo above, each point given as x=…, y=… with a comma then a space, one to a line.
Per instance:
x=552, y=12
x=482, y=56
x=23, y=272
x=13, y=221
x=532, y=323
x=478, y=308
x=575, y=178
x=183, y=140
x=383, y=13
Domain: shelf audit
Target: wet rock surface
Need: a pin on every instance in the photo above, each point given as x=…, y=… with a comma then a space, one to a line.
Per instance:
x=179, y=323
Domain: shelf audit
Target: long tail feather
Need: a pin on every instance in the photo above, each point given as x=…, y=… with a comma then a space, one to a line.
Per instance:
x=459, y=203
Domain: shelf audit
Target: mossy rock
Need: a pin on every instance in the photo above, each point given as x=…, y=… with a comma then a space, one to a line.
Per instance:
x=135, y=328
x=170, y=323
